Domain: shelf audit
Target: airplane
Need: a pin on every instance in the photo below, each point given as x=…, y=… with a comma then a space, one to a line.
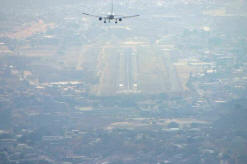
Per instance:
x=111, y=16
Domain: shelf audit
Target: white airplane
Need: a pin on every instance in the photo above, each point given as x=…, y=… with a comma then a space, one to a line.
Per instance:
x=111, y=16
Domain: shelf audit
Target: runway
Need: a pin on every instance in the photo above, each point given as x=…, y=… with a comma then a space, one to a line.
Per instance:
x=128, y=72
x=136, y=69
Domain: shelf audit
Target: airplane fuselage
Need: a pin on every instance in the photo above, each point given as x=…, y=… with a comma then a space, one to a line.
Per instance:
x=110, y=17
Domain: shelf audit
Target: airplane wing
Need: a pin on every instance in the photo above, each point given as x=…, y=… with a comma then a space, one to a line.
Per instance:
x=96, y=16
x=123, y=17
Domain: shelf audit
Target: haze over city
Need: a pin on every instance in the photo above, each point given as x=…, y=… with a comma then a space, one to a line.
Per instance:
x=165, y=87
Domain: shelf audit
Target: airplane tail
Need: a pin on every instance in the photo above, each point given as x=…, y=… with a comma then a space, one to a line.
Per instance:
x=112, y=7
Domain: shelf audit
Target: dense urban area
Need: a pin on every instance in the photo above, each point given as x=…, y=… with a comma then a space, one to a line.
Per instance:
x=167, y=87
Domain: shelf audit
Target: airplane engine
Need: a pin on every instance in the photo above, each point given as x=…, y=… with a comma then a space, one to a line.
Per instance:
x=100, y=18
x=120, y=19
